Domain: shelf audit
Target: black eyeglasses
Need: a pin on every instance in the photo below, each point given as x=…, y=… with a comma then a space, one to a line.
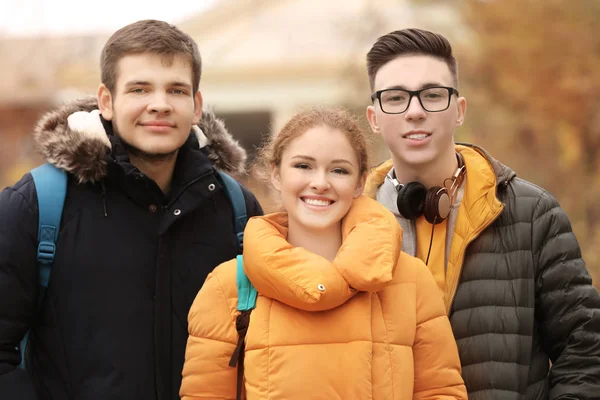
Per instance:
x=397, y=101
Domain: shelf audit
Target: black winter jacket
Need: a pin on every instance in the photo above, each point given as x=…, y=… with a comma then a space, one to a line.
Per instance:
x=129, y=262
x=525, y=314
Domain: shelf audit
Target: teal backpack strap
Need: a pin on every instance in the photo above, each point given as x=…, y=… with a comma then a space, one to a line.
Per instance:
x=246, y=303
x=236, y=196
x=51, y=188
x=246, y=291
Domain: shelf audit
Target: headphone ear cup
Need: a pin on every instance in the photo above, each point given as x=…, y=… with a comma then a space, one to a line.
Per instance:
x=437, y=205
x=410, y=200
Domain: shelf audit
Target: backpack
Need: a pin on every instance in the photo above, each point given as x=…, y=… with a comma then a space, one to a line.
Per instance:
x=51, y=187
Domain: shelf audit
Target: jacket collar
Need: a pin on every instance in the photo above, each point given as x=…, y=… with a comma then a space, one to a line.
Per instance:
x=478, y=209
x=502, y=173
x=83, y=144
x=304, y=280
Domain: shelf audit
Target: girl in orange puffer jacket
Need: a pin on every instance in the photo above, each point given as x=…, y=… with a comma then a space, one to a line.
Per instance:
x=341, y=312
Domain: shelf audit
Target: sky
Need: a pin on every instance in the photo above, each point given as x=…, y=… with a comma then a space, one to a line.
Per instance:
x=60, y=17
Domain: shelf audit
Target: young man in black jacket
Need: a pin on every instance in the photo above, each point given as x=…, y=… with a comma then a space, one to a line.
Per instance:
x=523, y=310
x=145, y=220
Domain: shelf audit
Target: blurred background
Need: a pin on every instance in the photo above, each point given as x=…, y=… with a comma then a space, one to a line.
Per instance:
x=529, y=69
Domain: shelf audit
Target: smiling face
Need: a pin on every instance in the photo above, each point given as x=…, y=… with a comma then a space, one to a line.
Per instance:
x=416, y=138
x=318, y=179
x=153, y=106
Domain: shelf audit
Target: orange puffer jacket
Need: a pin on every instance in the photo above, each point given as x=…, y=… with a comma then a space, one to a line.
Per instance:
x=369, y=325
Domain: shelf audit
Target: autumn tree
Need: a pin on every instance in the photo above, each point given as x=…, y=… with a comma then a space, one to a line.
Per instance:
x=531, y=73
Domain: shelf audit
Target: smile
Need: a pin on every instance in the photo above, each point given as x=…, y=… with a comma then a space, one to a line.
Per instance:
x=417, y=136
x=316, y=202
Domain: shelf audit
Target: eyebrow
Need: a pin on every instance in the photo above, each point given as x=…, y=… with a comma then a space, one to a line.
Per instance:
x=336, y=161
x=138, y=83
x=179, y=84
x=147, y=83
x=423, y=86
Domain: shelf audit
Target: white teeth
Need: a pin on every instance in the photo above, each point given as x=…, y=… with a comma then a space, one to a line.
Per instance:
x=315, y=202
x=417, y=136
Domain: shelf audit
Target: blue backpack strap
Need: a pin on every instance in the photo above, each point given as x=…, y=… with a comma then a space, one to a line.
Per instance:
x=51, y=187
x=246, y=291
x=236, y=196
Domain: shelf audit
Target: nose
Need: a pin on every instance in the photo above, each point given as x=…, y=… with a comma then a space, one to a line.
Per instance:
x=159, y=103
x=415, y=112
x=319, y=182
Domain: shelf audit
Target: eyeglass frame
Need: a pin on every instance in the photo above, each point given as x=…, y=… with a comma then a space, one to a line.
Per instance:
x=417, y=94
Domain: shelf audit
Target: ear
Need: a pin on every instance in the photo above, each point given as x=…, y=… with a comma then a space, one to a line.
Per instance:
x=360, y=186
x=372, y=118
x=197, y=107
x=461, y=108
x=276, y=177
x=105, y=102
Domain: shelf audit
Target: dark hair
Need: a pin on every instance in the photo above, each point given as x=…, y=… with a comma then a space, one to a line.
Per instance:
x=148, y=36
x=410, y=42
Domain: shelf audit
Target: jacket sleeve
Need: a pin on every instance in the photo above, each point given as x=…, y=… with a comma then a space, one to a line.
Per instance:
x=567, y=305
x=437, y=365
x=211, y=343
x=18, y=285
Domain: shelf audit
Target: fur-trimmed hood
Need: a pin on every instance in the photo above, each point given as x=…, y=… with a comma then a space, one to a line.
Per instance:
x=75, y=141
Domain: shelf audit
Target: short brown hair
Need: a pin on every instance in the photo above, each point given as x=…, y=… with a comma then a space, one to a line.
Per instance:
x=410, y=42
x=148, y=36
x=337, y=118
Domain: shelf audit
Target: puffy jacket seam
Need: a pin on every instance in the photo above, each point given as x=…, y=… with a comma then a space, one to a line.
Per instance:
x=490, y=305
x=557, y=236
x=495, y=362
x=573, y=287
x=573, y=310
x=460, y=385
x=493, y=390
x=498, y=279
x=431, y=319
x=222, y=294
x=328, y=343
x=504, y=252
x=494, y=333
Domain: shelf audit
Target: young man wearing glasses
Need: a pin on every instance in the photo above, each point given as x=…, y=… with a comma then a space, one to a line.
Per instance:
x=524, y=313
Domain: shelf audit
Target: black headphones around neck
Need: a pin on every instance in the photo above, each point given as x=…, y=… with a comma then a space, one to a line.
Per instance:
x=414, y=199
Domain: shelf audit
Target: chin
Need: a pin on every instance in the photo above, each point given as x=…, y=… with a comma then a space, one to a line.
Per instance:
x=422, y=157
x=321, y=225
x=162, y=148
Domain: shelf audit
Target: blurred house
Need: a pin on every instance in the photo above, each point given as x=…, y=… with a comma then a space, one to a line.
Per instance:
x=262, y=61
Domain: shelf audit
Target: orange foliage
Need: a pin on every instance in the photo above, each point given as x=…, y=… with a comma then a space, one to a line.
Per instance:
x=532, y=76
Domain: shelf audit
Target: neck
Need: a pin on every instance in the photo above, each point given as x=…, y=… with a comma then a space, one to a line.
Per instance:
x=325, y=242
x=431, y=174
x=160, y=171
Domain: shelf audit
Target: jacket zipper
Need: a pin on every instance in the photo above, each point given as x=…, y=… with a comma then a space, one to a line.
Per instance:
x=471, y=239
